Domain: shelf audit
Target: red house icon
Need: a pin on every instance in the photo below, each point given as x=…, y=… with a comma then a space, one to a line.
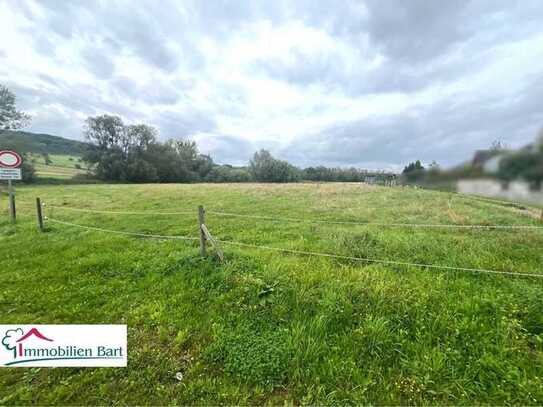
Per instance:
x=32, y=332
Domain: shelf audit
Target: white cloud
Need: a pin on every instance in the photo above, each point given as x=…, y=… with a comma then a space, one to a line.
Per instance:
x=281, y=74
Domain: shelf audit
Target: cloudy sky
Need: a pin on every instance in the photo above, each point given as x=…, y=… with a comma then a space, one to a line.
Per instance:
x=373, y=83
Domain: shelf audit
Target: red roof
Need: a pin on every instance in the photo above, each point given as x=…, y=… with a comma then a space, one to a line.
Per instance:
x=36, y=333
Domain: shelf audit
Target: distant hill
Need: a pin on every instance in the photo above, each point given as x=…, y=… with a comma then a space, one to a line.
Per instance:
x=26, y=142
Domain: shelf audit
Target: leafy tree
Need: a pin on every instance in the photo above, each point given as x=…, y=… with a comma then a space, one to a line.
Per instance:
x=138, y=137
x=27, y=168
x=413, y=171
x=105, y=131
x=412, y=167
x=47, y=159
x=261, y=166
x=10, y=117
x=265, y=168
x=119, y=150
x=187, y=149
x=170, y=164
x=202, y=166
x=227, y=173
x=133, y=153
x=139, y=170
x=522, y=165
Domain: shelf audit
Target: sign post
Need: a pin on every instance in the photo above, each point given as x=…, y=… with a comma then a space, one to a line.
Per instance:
x=9, y=170
x=12, y=208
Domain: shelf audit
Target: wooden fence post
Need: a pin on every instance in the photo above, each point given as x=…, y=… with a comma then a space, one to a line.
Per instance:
x=12, y=209
x=39, y=214
x=201, y=222
x=213, y=242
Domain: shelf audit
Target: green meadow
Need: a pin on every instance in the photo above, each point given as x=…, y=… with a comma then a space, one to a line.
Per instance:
x=266, y=327
x=62, y=167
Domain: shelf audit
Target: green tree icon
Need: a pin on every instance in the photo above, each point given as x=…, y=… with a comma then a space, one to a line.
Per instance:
x=10, y=339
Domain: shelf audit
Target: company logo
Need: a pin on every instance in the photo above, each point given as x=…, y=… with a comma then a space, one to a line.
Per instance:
x=63, y=345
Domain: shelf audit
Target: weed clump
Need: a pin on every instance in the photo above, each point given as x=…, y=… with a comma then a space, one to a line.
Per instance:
x=252, y=354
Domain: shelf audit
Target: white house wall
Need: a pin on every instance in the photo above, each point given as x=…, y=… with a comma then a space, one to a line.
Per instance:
x=514, y=191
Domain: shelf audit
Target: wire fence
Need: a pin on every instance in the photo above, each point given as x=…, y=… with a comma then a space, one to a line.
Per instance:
x=296, y=251
x=359, y=223
x=378, y=261
x=120, y=232
x=142, y=213
x=301, y=220
x=302, y=252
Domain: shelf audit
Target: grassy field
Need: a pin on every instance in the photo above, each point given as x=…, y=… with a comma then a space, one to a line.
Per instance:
x=61, y=166
x=269, y=327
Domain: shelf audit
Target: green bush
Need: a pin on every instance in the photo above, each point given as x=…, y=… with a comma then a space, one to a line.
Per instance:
x=27, y=167
x=523, y=165
x=265, y=168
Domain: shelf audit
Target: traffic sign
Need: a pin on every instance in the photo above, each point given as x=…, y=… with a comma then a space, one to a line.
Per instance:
x=10, y=159
x=10, y=174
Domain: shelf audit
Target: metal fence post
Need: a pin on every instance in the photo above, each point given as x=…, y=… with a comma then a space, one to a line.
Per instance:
x=12, y=209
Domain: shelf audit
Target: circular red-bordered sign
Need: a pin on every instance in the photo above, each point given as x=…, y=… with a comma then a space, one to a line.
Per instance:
x=10, y=159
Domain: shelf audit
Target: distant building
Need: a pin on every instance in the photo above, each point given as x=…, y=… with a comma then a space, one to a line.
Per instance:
x=513, y=191
x=489, y=160
x=492, y=166
x=494, y=184
x=381, y=179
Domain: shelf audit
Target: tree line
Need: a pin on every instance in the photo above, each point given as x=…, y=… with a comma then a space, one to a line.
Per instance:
x=121, y=152
x=133, y=153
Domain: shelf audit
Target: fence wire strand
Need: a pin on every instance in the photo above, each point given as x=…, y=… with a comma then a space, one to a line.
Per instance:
x=142, y=213
x=308, y=221
x=390, y=262
x=120, y=232
x=300, y=252
x=333, y=222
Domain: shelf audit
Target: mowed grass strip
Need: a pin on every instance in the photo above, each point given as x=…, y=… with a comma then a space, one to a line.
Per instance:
x=60, y=167
x=266, y=327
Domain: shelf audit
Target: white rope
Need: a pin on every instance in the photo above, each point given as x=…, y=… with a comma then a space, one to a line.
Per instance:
x=281, y=219
x=336, y=256
x=301, y=252
x=119, y=232
x=414, y=225
x=120, y=213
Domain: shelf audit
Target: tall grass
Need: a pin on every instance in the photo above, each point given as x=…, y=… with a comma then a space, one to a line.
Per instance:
x=265, y=327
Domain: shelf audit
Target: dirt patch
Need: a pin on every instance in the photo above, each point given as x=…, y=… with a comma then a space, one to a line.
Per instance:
x=534, y=213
